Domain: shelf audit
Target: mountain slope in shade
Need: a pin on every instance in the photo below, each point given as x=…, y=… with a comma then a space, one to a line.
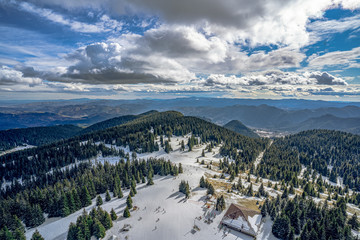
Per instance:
x=329, y=122
x=114, y=122
x=238, y=127
x=36, y=135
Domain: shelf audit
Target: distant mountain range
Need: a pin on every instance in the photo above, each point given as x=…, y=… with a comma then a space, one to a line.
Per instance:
x=275, y=115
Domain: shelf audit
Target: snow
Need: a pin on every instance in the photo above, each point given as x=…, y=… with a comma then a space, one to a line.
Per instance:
x=16, y=149
x=163, y=212
x=255, y=222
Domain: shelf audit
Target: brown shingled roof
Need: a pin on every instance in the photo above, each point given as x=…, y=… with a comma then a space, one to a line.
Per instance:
x=235, y=211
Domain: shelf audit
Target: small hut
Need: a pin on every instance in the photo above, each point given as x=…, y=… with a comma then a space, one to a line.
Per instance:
x=242, y=219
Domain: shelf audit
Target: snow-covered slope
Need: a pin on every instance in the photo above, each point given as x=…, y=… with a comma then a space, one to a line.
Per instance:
x=163, y=212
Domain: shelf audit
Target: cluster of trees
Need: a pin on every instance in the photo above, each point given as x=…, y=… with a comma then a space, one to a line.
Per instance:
x=93, y=224
x=184, y=188
x=76, y=190
x=206, y=184
x=302, y=217
x=316, y=149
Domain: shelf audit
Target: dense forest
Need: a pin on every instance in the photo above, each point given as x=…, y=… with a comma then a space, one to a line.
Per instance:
x=112, y=122
x=139, y=134
x=36, y=135
x=329, y=153
x=304, y=218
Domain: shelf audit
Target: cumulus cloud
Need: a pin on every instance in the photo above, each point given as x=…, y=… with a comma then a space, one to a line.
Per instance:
x=9, y=76
x=275, y=77
x=256, y=21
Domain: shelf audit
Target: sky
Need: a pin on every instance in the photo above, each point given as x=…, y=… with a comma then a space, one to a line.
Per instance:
x=128, y=49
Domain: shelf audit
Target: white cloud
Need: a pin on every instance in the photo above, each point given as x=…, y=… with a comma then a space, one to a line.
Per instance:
x=257, y=22
x=105, y=24
x=9, y=76
x=322, y=29
x=274, y=77
x=346, y=58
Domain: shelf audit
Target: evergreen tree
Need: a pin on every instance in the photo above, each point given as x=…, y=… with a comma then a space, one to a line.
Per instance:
x=107, y=222
x=120, y=193
x=98, y=229
x=184, y=188
x=202, y=182
x=129, y=202
x=64, y=206
x=220, y=203
x=180, y=168
x=263, y=210
x=285, y=193
x=113, y=215
x=99, y=201
x=126, y=212
x=354, y=222
x=281, y=227
x=85, y=197
x=5, y=234
x=150, y=181
x=210, y=189
x=107, y=196
x=131, y=192
x=250, y=191
x=72, y=232
x=37, y=236
x=18, y=234
x=34, y=216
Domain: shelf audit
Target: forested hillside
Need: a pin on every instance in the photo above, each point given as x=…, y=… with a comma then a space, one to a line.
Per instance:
x=330, y=153
x=113, y=122
x=36, y=135
x=238, y=127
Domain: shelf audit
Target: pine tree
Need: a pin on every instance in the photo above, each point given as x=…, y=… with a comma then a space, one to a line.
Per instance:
x=37, y=236
x=113, y=215
x=19, y=234
x=107, y=222
x=250, y=191
x=202, y=182
x=129, y=202
x=281, y=227
x=262, y=190
x=131, y=192
x=150, y=180
x=85, y=197
x=72, y=232
x=99, y=201
x=5, y=234
x=107, y=196
x=220, y=203
x=180, y=168
x=64, y=206
x=354, y=222
x=285, y=193
x=126, y=212
x=184, y=188
x=98, y=229
x=34, y=216
x=210, y=189
x=263, y=210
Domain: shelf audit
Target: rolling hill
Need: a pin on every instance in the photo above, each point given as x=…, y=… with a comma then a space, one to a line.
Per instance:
x=238, y=127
